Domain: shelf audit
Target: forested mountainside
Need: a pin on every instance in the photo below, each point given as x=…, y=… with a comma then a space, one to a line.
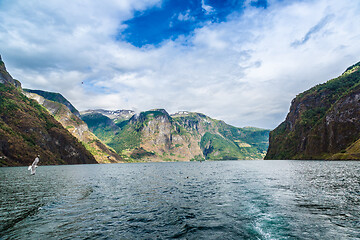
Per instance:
x=323, y=122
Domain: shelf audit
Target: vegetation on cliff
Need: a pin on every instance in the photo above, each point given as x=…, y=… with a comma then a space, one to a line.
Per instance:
x=323, y=122
x=156, y=136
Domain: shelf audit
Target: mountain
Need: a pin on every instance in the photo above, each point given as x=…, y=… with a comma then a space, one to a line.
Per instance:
x=157, y=136
x=55, y=97
x=323, y=122
x=58, y=106
x=116, y=115
x=27, y=129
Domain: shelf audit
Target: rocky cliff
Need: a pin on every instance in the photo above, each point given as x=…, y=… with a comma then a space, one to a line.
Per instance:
x=157, y=136
x=27, y=129
x=323, y=122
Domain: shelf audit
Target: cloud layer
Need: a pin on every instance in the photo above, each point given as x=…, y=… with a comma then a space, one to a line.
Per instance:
x=244, y=70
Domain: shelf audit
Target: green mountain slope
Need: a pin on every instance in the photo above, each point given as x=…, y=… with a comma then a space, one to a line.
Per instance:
x=27, y=129
x=323, y=122
x=156, y=136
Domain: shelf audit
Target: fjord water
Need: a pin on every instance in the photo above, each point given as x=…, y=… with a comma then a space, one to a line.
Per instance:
x=185, y=200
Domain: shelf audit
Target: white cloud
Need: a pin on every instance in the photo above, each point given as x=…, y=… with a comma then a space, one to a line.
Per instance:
x=207, y=8
x=185, y=16
x=244, y=71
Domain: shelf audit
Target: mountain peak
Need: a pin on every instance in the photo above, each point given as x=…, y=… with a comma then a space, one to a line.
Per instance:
x=115, y=115
x=160, y=110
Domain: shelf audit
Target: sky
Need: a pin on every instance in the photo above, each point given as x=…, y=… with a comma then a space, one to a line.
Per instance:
x=238, y=61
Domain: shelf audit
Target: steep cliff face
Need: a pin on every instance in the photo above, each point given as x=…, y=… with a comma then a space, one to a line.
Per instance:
x=78, y=128
x=27, y=129
x=156, y=136
x=161, y=135
x=323, y=122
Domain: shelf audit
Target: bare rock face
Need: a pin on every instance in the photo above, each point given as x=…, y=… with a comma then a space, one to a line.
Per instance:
x=322, y=123
x=158, y=132
x=160, y=136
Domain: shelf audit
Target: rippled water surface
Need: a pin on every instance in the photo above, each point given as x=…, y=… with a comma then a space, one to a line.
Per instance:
x=185, y=200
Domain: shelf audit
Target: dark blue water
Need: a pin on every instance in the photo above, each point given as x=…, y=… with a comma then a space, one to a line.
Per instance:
x=191, y=200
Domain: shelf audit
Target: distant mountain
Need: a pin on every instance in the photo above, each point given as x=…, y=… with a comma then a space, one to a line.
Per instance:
x=27, y=129
x=116, y=115
x=77, y=127
x=323, y=122
x=156, y=136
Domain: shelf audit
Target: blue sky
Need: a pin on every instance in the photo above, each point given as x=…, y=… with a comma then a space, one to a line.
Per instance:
x=178, y=17
x=238, y=61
